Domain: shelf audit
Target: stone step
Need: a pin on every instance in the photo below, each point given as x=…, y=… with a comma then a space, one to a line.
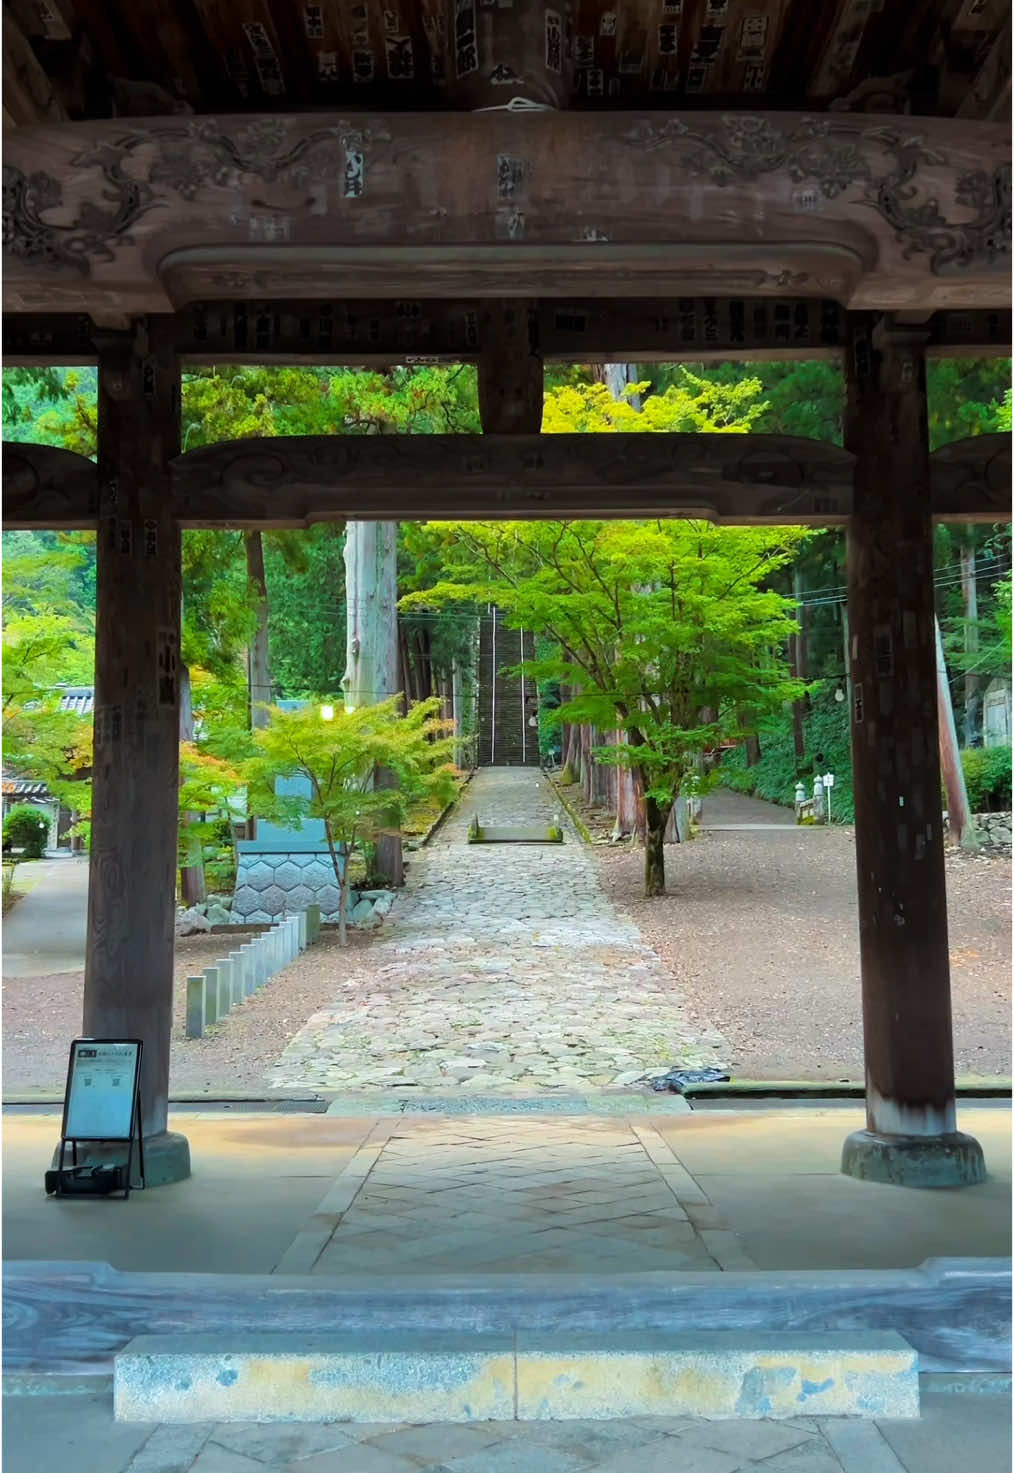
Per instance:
x=413, y=1376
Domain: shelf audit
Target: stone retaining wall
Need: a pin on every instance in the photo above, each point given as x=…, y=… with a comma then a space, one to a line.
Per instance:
x=994, y=830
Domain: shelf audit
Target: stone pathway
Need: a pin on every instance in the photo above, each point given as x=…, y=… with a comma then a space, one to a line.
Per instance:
x=79, y=1432
x=514, y=1195
x=503, y=970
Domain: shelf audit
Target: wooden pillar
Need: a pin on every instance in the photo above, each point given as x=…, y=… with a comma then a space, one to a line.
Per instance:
x=910, y=1139
x=510, y=369
x=131, y=895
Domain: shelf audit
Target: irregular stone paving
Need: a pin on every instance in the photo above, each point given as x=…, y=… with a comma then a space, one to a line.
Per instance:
x=503, y=969
x=516, y=1195
x=631, y=1445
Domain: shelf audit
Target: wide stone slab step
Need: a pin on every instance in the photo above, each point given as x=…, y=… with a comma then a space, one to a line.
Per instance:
x=412, y=1376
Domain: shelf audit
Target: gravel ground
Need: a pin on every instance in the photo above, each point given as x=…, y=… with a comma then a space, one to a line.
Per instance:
x=42, y=1014
x=760, y=930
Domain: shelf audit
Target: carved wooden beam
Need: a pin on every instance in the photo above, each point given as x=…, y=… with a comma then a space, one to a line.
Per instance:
x=579, y=331
x=46, y=487
x=139, y=216
x=971, y=480
x=299, y=480
x=305, y=479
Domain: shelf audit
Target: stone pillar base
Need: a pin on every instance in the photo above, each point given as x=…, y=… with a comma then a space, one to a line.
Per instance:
x=953, y=1160
x=166, y=1157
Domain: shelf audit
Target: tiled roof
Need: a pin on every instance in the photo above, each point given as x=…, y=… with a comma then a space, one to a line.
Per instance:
x=78, y=698
x=23, y=787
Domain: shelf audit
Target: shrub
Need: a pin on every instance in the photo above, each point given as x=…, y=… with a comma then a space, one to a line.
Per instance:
x=987, y=778
x=27, y=828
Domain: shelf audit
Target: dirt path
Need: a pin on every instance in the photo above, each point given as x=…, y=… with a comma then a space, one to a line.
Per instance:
x=760, y=930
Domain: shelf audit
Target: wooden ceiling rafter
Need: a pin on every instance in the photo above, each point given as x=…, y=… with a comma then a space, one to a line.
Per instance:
x=393, y=55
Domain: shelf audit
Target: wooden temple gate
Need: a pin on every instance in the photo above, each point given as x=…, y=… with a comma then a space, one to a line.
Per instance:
x=509, y=185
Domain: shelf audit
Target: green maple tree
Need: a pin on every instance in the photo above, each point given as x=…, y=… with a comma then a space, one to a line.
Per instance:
x=665, y=627
x=337, y=754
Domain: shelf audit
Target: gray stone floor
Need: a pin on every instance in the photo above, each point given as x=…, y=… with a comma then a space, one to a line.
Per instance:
x=504, y=969
x=78, y=1433
x=514, y=1195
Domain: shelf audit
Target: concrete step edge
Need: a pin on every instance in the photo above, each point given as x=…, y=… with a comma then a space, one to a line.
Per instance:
x=422, y=1376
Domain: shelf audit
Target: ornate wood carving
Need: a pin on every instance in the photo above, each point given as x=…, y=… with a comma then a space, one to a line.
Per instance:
x=47, y=487
x=499, y=203
x=888, y=165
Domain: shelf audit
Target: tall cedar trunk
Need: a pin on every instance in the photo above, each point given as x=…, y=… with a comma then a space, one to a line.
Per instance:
x=457, y=701
x=973, y=680
x=616, y=377
x=798, y=643
x=371, y=670
x=259, y=660
x=626, y=798
x=193, y=889
x=656, y=820
x=258, y=655
x=951, y=771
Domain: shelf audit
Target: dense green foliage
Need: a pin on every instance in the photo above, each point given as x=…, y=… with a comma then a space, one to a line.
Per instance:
x=663, y=629
x=775, y=775
x=49, y=578
x=987, y=769
x=988, y=779
x=26, y=828
x=338, y=751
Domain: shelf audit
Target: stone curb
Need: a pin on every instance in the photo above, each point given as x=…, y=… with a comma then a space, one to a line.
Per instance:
x=420, y=1376
x=581, y=828
x=419, y=1103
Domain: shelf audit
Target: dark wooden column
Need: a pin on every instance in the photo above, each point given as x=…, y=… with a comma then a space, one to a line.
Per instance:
x=131, y=895
x=510, y=368
x=910, y=1138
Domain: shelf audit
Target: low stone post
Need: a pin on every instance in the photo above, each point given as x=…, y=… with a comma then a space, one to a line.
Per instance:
x=249, y=968
x=213, y=988
x=818, y=799
x=211, y=1013
x=313, y=921
x=239, y=964
x=301, y=921
x=224, y=971
x=195, y=1007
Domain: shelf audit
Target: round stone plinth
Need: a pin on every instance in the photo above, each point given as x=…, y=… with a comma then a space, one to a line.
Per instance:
x=166, y=1157
x=953, y=1160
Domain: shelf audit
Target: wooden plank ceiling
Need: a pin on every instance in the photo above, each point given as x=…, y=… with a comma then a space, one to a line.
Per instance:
x=87, y=59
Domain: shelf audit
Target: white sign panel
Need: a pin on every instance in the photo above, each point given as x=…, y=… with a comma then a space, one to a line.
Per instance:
x=828, y=779
x=100, y=1089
